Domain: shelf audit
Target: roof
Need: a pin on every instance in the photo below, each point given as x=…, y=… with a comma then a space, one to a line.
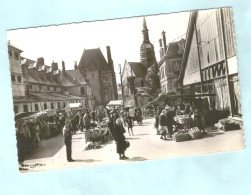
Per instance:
x=10, y=45
x=77, y=76
x=44, y=97
x=93, y=59
x=189, y=37
x=175, y=49
x=138, y=69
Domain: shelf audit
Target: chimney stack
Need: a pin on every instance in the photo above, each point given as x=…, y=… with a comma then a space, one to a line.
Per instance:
x=75, y=65
x=54, y=66
x=164, y=40
x=63, y=67
x=109, y=57
x=40, y=61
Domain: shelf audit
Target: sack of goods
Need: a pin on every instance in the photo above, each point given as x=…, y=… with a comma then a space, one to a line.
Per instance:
x=229, y=126
x=181, y=136
x=195, y=133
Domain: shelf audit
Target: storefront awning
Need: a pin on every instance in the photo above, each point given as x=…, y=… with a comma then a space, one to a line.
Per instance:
x=115, y=103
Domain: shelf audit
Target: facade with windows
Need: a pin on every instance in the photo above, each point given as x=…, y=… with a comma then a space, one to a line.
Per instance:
x=99, y=74
x=37, y=87
x=170, y=65
x=17, y=79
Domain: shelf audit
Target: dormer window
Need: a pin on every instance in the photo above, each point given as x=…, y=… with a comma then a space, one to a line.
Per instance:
x=10, y=53
x=16, y=56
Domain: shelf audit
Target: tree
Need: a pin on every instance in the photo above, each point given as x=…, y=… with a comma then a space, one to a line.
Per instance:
x=153, y=80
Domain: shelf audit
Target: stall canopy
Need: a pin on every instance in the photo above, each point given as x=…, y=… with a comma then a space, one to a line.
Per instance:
x=115, y=103
x=74, y=105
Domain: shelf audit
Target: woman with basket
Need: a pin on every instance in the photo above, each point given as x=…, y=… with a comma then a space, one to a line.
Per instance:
x=119, y=137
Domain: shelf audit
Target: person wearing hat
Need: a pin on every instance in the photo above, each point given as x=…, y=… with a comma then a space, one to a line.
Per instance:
x=120, y=139
x=67, y=140
x=163, y=125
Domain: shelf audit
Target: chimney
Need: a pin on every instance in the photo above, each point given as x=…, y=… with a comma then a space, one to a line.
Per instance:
x=40, y=61
x=164, y=40
x=63, y=67
x=75, y=65
x=109, y=57
x=161, y=48
x=54, y=66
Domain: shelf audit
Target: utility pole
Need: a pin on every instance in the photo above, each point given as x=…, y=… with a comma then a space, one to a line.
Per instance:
x=122, y=89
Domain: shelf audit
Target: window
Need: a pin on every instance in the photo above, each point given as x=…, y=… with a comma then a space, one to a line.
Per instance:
x=52, y=106
x=30, y=86
x=25, y=108
x=16, y=56
x=36, y=107
x=10, y=53
x=92, y=75
x=58, y=105
x=55, y=89
x=16, y=109
x=48, y=88
x=19, y=79
x=45, y=106
x=82, y=90
x=13, y=78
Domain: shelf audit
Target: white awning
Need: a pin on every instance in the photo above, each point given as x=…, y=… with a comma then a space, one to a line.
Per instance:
x=74, y=105
x=115, y=103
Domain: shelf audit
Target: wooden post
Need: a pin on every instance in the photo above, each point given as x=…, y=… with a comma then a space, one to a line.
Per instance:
x=198, y=49
x=226, y=62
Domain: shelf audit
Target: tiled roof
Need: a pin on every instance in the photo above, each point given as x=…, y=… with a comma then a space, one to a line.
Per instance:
x=44, y=97
x=138, y=69
x=93, y=59
x=76, y=76
x=175, y=49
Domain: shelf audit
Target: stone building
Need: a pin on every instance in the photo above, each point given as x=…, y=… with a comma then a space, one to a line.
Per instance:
x=170, y=64
x=17, y=79
x=138, y=70
x=99, y=74
x=44, y=87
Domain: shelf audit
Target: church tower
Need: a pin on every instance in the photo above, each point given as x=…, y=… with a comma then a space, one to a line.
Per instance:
x=147, y=54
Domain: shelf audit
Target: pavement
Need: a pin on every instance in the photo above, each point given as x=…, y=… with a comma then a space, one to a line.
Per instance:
x=144, y=145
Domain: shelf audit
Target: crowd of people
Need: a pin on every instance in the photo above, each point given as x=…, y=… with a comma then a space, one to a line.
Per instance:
x=30, y=133
x=165, y=124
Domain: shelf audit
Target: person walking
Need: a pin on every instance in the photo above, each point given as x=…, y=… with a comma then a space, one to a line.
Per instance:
x=67, y=140
x=163, y=125
x=139, y=116
x=128, y=120
x=156, y=124
x=120, y=139
x=86, y=121
x=132, y=114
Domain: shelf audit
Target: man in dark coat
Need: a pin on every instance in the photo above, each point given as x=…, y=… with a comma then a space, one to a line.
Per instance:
x=67, y=140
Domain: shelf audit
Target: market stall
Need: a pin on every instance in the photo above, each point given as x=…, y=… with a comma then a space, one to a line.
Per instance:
x=97, y=135
x=115, y=103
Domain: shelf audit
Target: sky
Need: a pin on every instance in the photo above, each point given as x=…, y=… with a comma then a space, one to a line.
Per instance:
x=67, y=42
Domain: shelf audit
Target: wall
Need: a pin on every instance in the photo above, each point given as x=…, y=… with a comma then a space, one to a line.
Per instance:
x=18, y=87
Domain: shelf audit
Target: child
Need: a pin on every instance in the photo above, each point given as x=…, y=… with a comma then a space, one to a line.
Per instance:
x=129, y=124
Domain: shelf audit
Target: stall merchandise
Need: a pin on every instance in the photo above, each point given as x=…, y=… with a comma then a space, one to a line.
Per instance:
x=227, y=125
x=183, y=120
x=93, y=145
x=181, y=136
x=195, y=133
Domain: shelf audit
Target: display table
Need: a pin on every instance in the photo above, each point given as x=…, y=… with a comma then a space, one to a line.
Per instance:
x=184, y=120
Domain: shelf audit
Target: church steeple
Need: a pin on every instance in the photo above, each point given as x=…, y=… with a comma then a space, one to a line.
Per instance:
x=147, y=55
x=145, y=31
